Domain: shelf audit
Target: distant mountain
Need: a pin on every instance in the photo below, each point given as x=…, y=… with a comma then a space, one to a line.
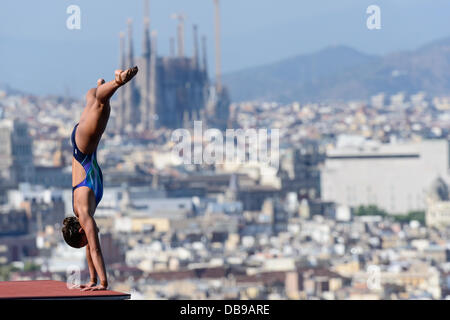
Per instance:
x=342, y=73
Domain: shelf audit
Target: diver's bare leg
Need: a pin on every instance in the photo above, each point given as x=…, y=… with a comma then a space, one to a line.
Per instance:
x=96, y=114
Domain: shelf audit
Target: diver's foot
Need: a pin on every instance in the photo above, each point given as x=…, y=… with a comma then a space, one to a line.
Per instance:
x=122, y=77
x=100, y=82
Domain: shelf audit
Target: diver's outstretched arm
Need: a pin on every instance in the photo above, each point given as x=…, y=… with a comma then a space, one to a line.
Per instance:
x=92, y=272
x=90, y=229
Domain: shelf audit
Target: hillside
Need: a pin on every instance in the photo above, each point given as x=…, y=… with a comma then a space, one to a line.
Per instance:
x=343, y=73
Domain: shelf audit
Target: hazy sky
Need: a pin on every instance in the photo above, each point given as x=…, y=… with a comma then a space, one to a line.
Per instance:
x=38, y=54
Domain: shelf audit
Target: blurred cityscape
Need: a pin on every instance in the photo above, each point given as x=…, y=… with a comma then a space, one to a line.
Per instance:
x=357, y=207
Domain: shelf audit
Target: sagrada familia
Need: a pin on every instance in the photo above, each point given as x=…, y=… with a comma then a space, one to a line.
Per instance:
x=170, y=91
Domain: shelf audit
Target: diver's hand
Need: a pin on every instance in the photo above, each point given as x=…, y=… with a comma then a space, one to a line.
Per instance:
x=83, y=286
x=95, y=288
x=91, y=284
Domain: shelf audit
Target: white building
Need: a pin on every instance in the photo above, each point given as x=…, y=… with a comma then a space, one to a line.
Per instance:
x=34, y=193
x=395, y=177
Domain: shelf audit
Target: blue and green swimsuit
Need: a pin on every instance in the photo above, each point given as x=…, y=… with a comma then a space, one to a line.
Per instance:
x=94, y=177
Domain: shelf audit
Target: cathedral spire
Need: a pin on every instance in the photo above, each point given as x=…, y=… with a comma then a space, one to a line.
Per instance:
x=153, y=85
x=130, y=57
x=146, y=42
x=205, y=57
x=132, y=112
x=121, y=96
x=195, y=46
x=145, y=67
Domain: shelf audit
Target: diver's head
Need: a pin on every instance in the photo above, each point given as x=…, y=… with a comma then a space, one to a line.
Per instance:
x=73, y=233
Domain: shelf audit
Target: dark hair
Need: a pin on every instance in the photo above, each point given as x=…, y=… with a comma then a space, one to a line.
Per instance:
x=71, y=233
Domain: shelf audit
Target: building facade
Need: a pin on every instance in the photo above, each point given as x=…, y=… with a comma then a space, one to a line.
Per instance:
x=395, y=177
x=16, y=155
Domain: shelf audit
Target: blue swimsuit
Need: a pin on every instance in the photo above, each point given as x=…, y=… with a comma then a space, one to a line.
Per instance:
x=94, y=177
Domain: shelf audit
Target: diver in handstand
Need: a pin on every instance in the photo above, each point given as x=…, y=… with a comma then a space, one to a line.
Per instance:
x=87, y=178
